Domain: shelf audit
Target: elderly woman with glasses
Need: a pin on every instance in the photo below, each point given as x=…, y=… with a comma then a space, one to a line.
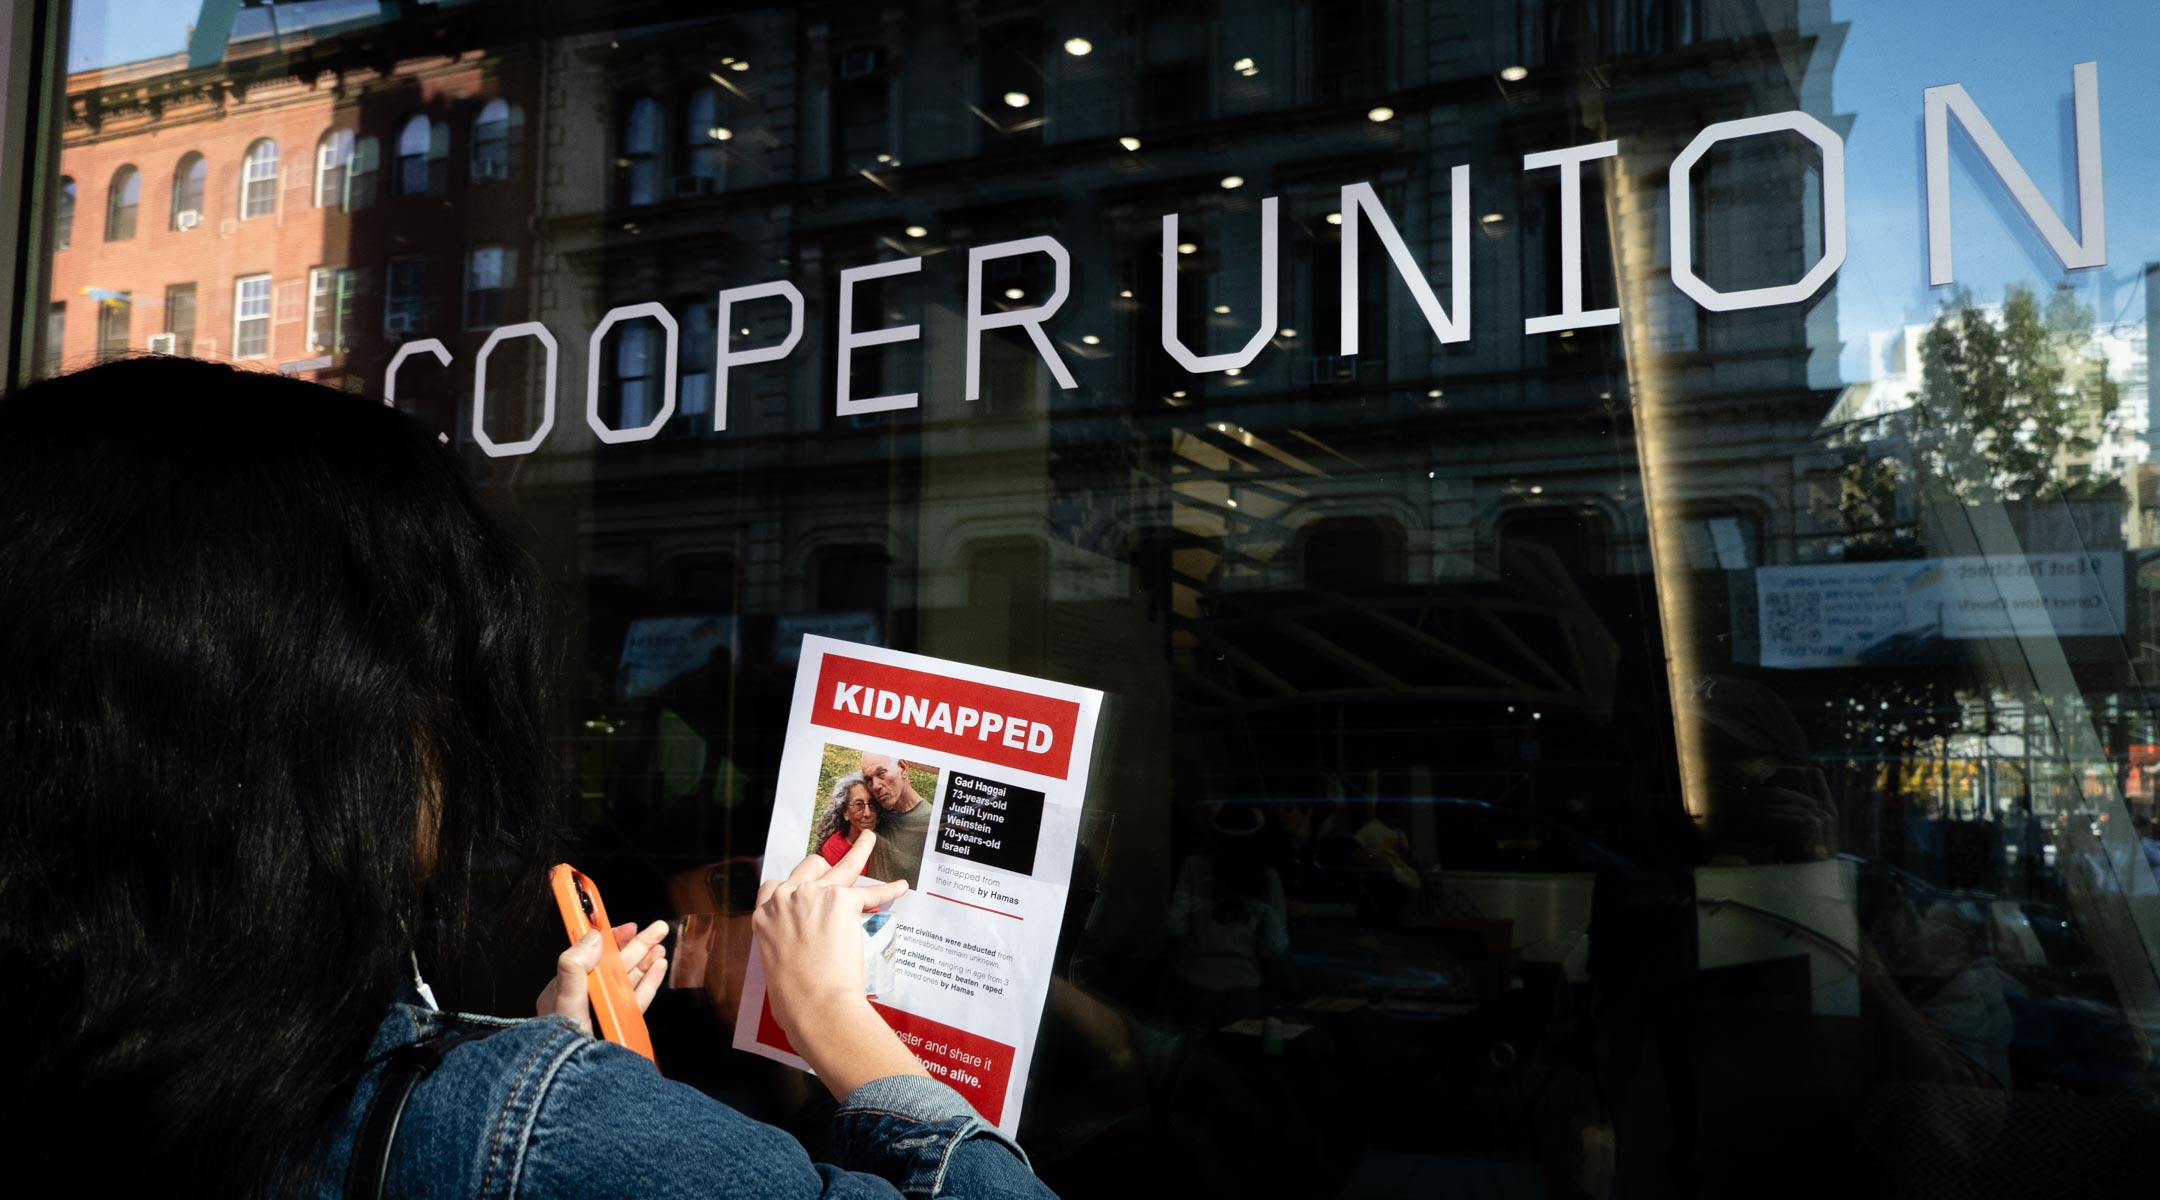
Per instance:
x=849, y=814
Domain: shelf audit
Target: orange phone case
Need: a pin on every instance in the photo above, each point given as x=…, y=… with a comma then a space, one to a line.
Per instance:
x=614, y=1006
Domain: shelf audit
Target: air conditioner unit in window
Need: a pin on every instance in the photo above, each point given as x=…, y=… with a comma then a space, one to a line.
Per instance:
x=164, y=343
x=693, y=185
x=859, y=64
x=187, y=218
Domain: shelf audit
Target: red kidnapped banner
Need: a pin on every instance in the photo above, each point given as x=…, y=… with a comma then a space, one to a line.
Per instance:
x=938, y=712
x=973, y=1066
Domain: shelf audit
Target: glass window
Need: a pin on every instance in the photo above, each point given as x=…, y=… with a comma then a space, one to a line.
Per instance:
x=422, y=146
x=258, y=180
x=405, y=297
x=333, y=300
x=490, y=273
x=705, y=134
x=636, y=161
x=494, y=145
x=180, y=318
x=55, y=339
x=122, y=198
x=190, y=178
x=251, y=316
x=1676, y=697
x=333, y=162
x=64, y=216
x=114, y=313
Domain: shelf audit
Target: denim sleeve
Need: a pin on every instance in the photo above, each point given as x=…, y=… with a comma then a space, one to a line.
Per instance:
x=923, y=1137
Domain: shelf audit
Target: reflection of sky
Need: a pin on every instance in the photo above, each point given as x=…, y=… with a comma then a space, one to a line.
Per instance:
x=2015, y=59
x=105, y=32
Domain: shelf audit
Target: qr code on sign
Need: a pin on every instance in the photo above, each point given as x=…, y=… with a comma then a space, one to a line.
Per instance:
x=1793, y=618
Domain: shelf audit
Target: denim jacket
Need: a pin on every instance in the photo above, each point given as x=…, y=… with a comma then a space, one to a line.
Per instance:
x=539, y=1109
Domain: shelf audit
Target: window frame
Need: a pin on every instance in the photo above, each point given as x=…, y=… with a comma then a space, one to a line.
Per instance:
x=332, y=141
x=241, y=317
x=119, y=212
x=259, y=180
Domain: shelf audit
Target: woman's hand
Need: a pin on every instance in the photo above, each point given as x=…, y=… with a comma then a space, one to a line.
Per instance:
x=644, y=960
x=810, y=940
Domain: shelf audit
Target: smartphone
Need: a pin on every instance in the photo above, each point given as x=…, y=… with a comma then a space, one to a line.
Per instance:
x=615, y=1007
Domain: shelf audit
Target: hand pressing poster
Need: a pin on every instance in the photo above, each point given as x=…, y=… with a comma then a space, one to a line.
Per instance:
x=972, y=780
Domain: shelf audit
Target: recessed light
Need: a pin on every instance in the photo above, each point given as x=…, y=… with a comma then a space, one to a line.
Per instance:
x=1233, y=372
x=1536, y=490
x=720, y=133
x=1014, y=293
x=1231, y=503
x=1334, y=218
x=1090, y=340
x=1222, y=308
x=1233, y=181
x=1433, y=394
x=1514, y=74
x=1379, y=112
x=1187, y=248
x=729, y=59
x=1125, y=294
x=917, y=231
x=1567, y=333
x=1179, y=394
x=884, y=158
x=1492, y=218
x=1078, y=47
x=746, y=331
x=1244, y=65
x=1129, y=142
x=739, y=65
x=1289, y=333
x=1017, y=99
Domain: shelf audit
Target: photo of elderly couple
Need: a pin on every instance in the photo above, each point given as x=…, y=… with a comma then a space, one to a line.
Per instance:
x=859, y=790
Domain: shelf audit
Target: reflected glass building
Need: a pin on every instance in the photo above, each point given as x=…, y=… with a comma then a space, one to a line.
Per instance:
x=1632, y=523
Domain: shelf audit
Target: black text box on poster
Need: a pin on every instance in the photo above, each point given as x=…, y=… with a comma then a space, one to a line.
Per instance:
x=995, y=824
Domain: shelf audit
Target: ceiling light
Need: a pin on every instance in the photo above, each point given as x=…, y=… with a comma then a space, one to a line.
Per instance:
x=1231, y=503
x=1187, y=248
x=1514, y=74
x=884, y=158
x=1289, y=333
x=916, y=231
x=720, y=133
x=1244, y=65
x=1433, y=394
x=746, y=331
x=1017, y=99
x=1129, y=142
x=725, y=61
x=1567, y=333
x=1536, y=490
x=1334, y=218
x=1090, y=340
x=1233, y=181
x=1125, y=294
x=1179, y=394
x=739, y=65
x=1379, y=112
x=1014, y=293
x=1492, y=218
x=1232, y=372
x=1078, y=47
x=1222, y=308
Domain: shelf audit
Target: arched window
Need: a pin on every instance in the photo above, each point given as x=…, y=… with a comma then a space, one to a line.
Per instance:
x=64, y=215
x=495, y=139
x=637, y=162
x=189, y=180
x=121, y=200
x=704, y=133
x=421, y=146
x=333, y=169
x=258, y=180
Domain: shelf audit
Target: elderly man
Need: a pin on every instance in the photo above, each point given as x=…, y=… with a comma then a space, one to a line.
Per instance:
x=904, y=824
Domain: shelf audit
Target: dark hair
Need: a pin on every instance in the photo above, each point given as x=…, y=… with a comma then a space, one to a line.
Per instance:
x=258, y=635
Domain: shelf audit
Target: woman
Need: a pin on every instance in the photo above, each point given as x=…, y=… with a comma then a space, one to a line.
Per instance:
x=849, y=814
x=272, y=741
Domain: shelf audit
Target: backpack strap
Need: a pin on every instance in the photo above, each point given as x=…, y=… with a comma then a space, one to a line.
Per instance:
x=404, y=1070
